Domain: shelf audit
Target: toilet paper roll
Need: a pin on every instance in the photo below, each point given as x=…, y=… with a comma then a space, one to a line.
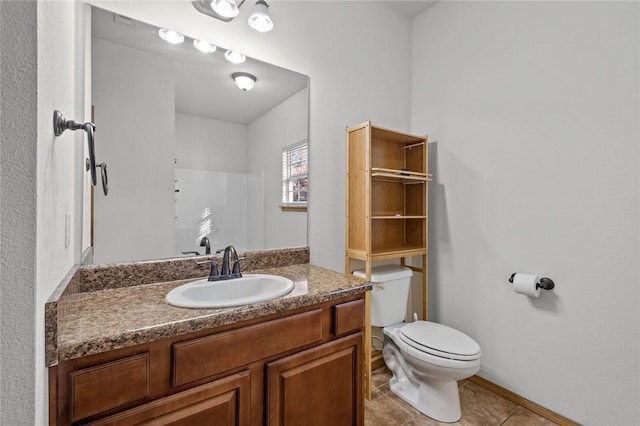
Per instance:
x=526, y=284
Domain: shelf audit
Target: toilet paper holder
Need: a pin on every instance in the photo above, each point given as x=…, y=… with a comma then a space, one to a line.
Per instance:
x=545, y=283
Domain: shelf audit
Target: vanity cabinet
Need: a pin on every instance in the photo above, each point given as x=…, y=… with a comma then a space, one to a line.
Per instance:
x=386, y=206
x=317, y=387
x=295, y=367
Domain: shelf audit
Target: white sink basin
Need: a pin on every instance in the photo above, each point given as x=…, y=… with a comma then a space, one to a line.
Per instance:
x=251, y=288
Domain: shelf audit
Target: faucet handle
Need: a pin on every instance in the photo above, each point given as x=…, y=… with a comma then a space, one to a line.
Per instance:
x=214, y=274
x=236, y=266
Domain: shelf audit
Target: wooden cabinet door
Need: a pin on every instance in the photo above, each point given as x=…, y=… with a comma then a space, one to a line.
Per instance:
x=320, y=386
x=220, y=403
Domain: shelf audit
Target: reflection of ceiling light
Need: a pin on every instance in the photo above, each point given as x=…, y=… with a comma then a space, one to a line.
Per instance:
x=234, y=57
x=244, y=80
x=170, y=36
x=260, y=19
x=225, y=8
x=204, y=46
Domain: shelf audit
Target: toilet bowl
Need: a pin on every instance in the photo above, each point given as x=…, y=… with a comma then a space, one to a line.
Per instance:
x=426, y=358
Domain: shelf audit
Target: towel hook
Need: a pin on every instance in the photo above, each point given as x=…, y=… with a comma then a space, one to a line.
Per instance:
x=60, y=124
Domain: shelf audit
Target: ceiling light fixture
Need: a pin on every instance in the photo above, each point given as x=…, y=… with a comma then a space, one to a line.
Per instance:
x=170, y=36
x=204, y=46
x=260, y=19
x=234, y=57
x=226, y=10
x=218, y=9
x=244, y=80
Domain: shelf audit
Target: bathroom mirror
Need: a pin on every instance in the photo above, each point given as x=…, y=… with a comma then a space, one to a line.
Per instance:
x=190, y=154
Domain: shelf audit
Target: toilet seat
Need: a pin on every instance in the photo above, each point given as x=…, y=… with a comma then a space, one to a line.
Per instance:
x=440, y=341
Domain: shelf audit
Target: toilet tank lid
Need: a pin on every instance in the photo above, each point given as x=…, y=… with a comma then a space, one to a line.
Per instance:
x=385, y=273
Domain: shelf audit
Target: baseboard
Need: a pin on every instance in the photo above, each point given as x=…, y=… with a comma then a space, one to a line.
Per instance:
x=532, y=406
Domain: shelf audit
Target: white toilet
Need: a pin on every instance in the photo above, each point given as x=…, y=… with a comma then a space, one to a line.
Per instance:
x=426, y=359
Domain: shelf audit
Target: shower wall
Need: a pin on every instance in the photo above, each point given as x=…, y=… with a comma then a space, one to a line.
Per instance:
x=216, y=205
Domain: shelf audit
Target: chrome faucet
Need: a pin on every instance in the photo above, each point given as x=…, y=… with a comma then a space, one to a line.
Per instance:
x=230, y=264
x=204, y=242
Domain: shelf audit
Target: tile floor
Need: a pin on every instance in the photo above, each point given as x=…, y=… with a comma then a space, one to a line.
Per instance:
x=480, y=407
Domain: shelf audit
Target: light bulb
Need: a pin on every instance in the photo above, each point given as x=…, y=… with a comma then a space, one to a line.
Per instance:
x=260, y=19
x=170, y=36
x=225, y=8
x=204, y=46
x=235, y=57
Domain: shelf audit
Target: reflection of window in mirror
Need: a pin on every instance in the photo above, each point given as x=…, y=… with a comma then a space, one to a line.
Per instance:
x=295, y=168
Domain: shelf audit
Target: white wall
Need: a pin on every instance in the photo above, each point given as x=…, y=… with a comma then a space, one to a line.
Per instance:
x=18, y=152
x=534, y=107
x=210, y=175
x=42, y=178
x=134, y=98
x=211, y=204
x=209, y=144
x=60, y=170
x=281, y=126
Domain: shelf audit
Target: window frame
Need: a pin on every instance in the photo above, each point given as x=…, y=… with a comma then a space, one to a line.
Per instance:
x=287, y=177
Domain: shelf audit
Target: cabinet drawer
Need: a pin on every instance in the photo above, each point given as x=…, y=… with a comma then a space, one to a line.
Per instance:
x=207, y=356
x=223, y=402
x=348, y=317
x=110, y=385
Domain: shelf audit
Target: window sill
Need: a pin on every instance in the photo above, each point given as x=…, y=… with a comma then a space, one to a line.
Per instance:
x=286, y=208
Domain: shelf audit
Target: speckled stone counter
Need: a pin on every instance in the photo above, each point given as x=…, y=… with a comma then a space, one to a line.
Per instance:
x=115, y=316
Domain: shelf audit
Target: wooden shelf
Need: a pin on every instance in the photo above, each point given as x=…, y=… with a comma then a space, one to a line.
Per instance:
x=394, y=175
x=376, y=217
x=387, y=178
x=397, y=252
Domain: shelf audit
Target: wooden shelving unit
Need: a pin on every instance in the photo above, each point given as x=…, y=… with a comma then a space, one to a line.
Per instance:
x=386, y=207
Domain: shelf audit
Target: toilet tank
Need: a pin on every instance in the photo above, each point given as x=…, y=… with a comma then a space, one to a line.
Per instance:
x=390, y=293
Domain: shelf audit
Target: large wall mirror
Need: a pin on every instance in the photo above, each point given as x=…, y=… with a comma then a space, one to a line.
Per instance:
x=189, y=154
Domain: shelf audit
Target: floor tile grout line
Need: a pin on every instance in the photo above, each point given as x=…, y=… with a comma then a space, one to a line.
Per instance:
x=510, y=415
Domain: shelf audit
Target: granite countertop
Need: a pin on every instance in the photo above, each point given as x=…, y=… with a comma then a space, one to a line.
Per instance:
x=101, y=320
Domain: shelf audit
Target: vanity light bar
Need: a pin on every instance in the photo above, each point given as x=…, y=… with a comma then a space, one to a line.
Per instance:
x=203, y=46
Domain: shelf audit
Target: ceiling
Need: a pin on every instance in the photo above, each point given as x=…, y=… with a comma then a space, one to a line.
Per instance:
x=203, y=81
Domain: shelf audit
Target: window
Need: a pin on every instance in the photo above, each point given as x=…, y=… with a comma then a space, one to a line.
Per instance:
x=295, y=169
